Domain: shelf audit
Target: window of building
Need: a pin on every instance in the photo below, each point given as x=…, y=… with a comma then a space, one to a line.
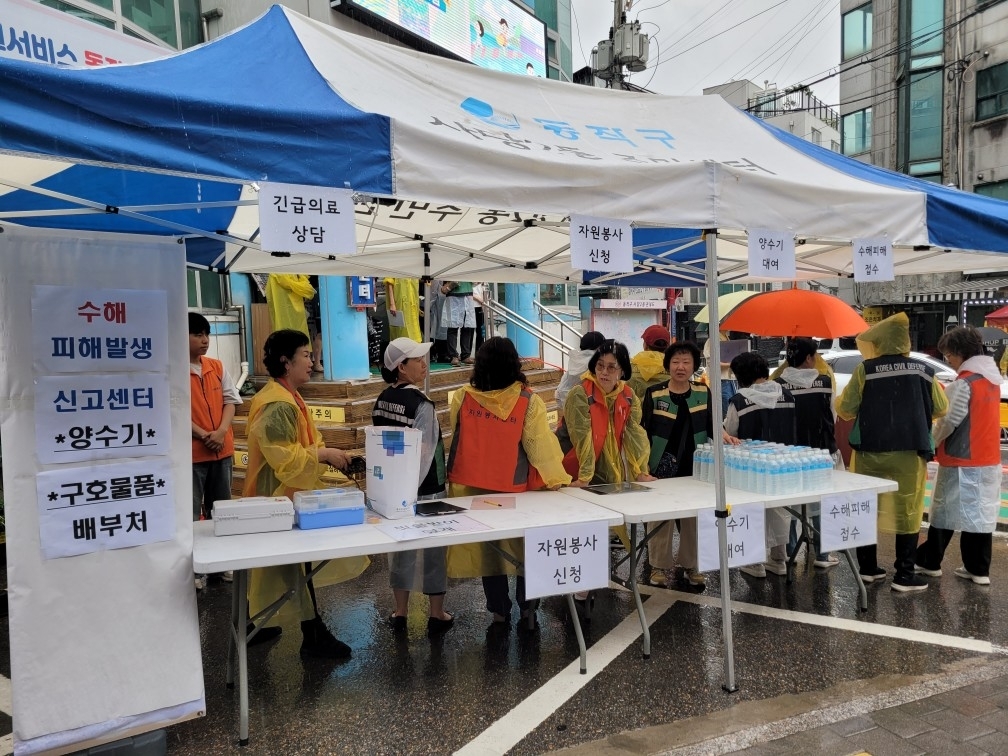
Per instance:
x=920, y=88
x=816, y=137
x=856, y=32
x=205, y=289
x=83, y=14
x=992, y=91
x=155, y=16
x=834, y=145
x=995, y=189
x=926, y=115
x=927, y=33
x=855, y=132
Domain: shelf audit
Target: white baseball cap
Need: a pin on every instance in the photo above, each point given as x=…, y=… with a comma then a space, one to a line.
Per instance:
x=404, y=349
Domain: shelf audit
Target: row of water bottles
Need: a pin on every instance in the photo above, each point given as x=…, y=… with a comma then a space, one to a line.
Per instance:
x=767, y=468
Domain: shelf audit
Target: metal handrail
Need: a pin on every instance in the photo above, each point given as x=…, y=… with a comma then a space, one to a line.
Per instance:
x=543, y=309
x=496, y=308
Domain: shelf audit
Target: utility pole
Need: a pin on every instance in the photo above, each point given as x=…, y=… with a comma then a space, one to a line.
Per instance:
x=626, y=46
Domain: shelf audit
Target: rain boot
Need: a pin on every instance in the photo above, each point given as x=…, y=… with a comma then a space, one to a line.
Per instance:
x=320, y=643
x=906, y=579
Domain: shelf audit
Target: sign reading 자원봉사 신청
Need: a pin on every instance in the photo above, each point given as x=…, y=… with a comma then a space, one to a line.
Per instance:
x=566, y=559
x=601, y=244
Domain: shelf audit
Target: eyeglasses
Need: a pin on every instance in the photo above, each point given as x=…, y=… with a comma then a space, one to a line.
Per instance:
x=606, y=367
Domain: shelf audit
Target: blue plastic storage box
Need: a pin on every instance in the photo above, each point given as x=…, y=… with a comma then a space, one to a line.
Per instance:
x=328, y=508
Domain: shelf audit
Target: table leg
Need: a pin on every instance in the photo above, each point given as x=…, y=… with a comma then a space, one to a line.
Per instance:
x=646, y=631
x=577, y=631
x=241, y=583
x=856, y=569
x=232, y=637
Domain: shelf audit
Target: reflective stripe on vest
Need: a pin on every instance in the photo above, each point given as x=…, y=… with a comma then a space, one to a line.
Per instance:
x=976, y=442
x=486, y=451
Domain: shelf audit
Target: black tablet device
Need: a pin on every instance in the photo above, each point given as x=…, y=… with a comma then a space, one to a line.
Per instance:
x=434, y=508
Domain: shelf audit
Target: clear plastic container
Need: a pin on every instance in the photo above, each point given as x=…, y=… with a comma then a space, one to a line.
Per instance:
x=328, y=508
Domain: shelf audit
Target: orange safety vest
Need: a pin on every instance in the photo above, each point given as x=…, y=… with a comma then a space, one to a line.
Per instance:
x=976, y=442
x=486, y=450
x=207, y=402
x=599, y=414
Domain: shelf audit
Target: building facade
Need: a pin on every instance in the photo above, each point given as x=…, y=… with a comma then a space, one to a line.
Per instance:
x=924, y=91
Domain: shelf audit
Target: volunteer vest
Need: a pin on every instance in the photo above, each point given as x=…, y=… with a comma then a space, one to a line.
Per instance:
x=896, y=407
x=776, y=424
x=398, y=406
x=665, y=412
x=976, y=442
x=599, y=414
x=207, y=403
x=814, y=425
x=486, y=450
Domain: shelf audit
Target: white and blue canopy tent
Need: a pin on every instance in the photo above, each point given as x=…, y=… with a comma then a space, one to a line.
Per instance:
x=173, y=146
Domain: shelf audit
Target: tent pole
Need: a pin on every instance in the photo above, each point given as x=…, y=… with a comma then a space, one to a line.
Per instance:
x=720, y=510
x=427, y=312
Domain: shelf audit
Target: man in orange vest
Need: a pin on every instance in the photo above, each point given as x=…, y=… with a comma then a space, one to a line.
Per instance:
x=213, y=398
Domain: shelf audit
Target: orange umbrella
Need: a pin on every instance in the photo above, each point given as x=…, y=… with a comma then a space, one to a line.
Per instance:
x=795, y=312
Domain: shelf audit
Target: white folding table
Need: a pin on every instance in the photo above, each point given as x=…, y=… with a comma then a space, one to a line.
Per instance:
x=672, y=498
x=240, y=553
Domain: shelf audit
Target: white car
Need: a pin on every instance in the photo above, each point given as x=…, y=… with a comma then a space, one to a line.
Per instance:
x=843, y=362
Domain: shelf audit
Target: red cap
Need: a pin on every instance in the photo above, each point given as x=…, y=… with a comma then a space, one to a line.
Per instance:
x=656, y=337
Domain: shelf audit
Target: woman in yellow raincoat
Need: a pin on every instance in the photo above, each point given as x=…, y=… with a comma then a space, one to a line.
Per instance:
x=501, y=442
x=893, y=400
x=402, y=296
x=286, y=294
x=286, y=453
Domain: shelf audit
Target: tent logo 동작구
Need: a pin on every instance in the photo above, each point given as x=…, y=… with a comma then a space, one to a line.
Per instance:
x=484, y=112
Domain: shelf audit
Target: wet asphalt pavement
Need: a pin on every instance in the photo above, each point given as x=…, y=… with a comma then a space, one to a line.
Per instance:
x=806, y=662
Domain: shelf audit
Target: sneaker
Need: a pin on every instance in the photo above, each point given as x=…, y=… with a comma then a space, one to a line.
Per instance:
x=228, y=576
x=200, y=581
x=870, y=577
x=659, y=578
x=925, y=571
x=695, y=578
x=967, y=575
x=456, y=362
x=754, y=570
x=776, y=566
x=909, y=584
x=827, y=561
x=468, y=361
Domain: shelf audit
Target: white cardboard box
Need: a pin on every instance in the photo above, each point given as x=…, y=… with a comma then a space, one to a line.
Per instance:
x=254, y=514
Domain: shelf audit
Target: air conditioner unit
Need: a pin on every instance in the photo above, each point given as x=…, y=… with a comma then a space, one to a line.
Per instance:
x=630, y=46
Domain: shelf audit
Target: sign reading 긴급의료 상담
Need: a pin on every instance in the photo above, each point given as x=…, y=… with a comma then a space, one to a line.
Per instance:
x=315, y=220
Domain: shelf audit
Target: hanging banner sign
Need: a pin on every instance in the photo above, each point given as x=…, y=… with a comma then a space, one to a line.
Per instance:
x=315, y=220
x=86, y=509
x=602, y=244
x=771, y=253
x=746, y=537
x=849, y=520
x=84, y=418
x=566, y=559
x=873, y=260
x=93, y=330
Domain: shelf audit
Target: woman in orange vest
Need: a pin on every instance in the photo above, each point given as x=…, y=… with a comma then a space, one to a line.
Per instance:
x=967, y=490
x=501, y=442
x=602, y=437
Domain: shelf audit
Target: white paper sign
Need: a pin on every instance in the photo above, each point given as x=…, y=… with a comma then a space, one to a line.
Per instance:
x=566, y=559
x=849, y=520
x=873, y=260
x=601, y=244
x=412, y=529
x=310, y=219
x=93, y=330
x=81, y=418
x=86, y=509
x=746, y=537
x=771, y=253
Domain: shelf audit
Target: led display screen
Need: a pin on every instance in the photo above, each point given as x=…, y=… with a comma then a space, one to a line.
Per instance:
x=494, y=34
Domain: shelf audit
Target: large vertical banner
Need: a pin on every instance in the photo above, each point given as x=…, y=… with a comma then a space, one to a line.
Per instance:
x=94, y=422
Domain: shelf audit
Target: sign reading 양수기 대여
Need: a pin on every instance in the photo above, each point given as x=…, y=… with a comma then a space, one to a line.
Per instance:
x=308, y=219
x=771, y=253
x=746, y=537
x=94, y=330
